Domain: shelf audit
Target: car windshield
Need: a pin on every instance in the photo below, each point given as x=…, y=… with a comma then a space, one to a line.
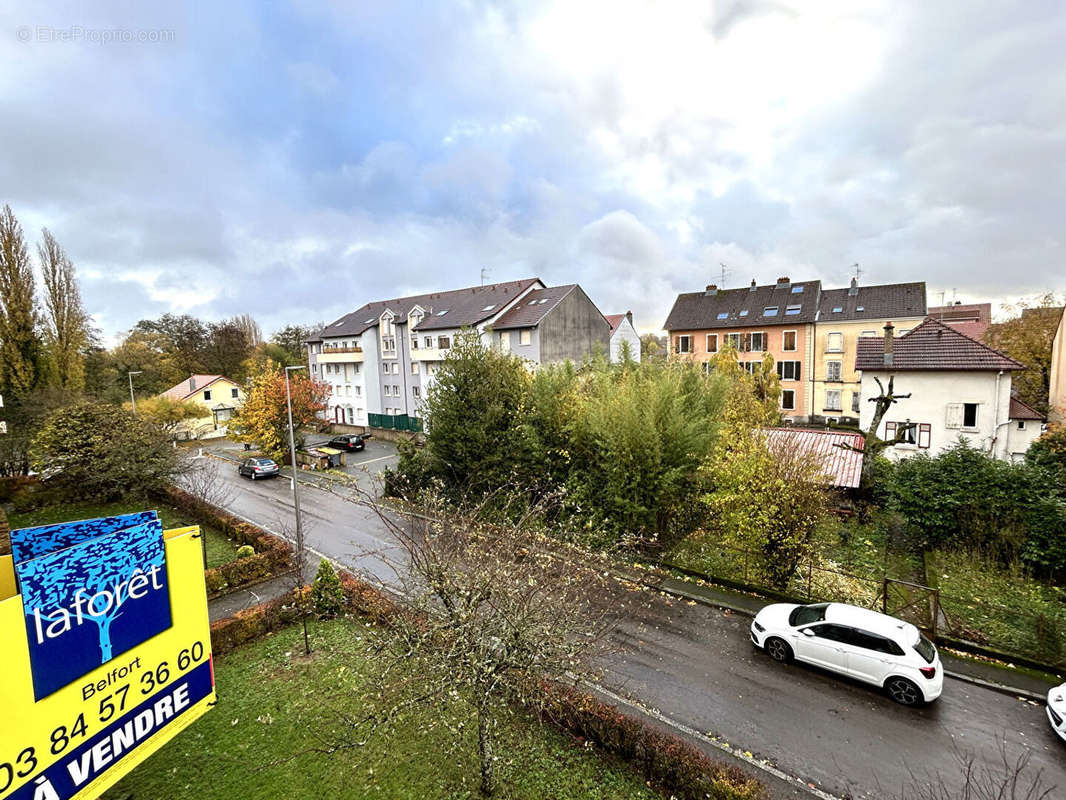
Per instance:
x=925, y=648
x=805, y=615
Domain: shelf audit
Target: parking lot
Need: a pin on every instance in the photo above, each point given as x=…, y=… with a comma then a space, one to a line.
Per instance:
x=377, y=455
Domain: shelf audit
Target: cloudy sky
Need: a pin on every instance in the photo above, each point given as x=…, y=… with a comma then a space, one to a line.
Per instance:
x=295, y=161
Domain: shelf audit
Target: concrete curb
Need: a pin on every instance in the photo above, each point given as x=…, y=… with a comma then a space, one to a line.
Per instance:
x=1002, y=688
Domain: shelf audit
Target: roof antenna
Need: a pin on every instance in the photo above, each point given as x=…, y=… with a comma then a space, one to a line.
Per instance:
x=725, y=271
x=484, y=274
x=858, y=271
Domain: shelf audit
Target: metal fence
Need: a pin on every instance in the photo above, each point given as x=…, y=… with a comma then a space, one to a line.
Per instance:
x=1015, y=632
x=397, y=422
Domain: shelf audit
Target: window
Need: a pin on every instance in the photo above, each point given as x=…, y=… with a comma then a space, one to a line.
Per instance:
x=427, y=342
x=1021, y=424
x=414, y=367
x=744, y=313
x=734, y=340
x=837, y=309
x=969, y=415
x=788, y=341
x=868, y=333
x=792, y=311
x=235, y=393
x=442, y=313
x=712, y=342
x=911, y=433
x=770, y=311
x=505, y=341
x=834, y=342
x=416, y=391
x=788, y=400
x=788, y=370
x=797, y=290
x=682, y=344
x=855, y=402
x=750, y=367
x=832, y=370
x=207, y=395
x=525, y=337
x=358, y=391
x=444, y=343
x=414, y=342
x=707, y=366
x=805, y=615
x=723, y=315
x=832, y=400
x=489, y=308
x=758, y=342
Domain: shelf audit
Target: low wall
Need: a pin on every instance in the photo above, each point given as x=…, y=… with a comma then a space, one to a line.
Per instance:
x=385, y=434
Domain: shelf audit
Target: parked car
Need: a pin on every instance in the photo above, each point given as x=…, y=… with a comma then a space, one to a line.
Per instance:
x=1056, y=710
x=350, y=442
x=258, y=468
x=871, y=647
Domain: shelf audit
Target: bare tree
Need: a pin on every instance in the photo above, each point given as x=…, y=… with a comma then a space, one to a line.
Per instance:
x=488, y=608
x=1008, y=778
x=200, y=477
x=874, y=444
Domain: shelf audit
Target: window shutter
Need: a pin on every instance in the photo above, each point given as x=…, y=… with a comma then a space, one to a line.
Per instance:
x=780, y=369
x=797, y=363
x=890, y=430
x=954, y=415
x=925, y=432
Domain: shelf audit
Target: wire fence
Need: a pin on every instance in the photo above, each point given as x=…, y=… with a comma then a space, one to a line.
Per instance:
x=1037, y=636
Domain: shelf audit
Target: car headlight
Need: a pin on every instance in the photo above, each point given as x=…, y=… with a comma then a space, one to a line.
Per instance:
x=758, y=627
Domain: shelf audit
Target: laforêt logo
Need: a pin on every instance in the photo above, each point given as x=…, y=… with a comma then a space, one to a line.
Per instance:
x=92, y=600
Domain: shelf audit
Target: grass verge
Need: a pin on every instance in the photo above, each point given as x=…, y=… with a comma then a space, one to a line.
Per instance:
x=273, y=701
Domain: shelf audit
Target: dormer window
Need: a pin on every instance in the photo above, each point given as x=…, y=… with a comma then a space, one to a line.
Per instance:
x=797, y=290
x=770, y=311
x=791, y=311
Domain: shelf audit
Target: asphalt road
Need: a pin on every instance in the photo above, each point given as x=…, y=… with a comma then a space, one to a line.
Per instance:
x=696, y=666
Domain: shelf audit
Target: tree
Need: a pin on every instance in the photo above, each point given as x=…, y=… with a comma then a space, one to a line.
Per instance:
x=291, y=339
x=20, y=345
x=252, y=333
x=167, y=413
x=652, y=346
x=67, y=324
x=327, y=593
x=764, y=498
x=180, y=341
x=1028, y=338
x=102, y=452
x=874, y=445
x=228, y=347
x=263, y=419
x=487, y=612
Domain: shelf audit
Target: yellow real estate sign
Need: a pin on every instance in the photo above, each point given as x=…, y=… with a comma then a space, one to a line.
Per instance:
x=106, y=651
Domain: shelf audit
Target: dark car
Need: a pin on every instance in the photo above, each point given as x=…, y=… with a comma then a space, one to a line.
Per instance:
x=350, y=442
x=259, y=468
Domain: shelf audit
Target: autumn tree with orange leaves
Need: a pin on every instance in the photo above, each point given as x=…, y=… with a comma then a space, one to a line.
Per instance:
x=263, y=419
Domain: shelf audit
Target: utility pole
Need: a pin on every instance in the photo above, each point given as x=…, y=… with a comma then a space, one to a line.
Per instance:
x=133, y=400
x=296, y=503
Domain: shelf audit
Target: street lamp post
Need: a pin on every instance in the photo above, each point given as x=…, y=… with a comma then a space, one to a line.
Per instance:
x=133, y=400
x=296, y=499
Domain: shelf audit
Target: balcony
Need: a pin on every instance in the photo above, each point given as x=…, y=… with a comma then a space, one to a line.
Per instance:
x=341, y=355
x=430, y=354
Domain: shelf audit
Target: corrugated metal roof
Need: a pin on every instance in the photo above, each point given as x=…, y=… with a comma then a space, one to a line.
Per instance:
x=843, y=467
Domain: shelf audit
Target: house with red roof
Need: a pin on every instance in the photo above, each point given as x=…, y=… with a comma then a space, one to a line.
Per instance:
x=220, y=398
x=622, y=330
x=955, y=386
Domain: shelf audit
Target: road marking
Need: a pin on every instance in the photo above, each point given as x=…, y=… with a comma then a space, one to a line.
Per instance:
x=681, y=727
x=371, y=461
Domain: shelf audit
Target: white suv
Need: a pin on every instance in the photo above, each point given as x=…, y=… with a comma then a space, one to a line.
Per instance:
x=863, y=644
x=1056, y=710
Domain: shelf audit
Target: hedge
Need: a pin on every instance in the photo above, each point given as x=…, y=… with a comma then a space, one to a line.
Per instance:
x=665, y=760
x=273, y=555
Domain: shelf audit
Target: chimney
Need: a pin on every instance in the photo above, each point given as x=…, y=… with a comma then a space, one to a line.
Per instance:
x=784, y=283
x=752, y=287
x=888, y=344
x=629, y=316
x=192, y=384
x=712, y=290
x=854, y=289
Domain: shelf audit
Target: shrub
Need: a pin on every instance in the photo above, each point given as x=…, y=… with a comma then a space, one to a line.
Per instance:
x=327, y=594
x=245, y=550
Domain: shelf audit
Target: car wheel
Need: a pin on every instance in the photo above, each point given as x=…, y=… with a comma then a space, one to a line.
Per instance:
x=903, y=691
x=252, y=476
x=778, y=650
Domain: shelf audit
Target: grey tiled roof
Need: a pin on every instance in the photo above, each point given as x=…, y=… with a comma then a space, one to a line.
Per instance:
x=877, y=302
x=533, y=308
x=462, y=306
x=700, y=310
x=932, y=345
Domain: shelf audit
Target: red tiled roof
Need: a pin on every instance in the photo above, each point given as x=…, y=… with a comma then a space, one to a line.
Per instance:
x=1019, y=410
x=932, y=345
x=971, y=319
x=200, y=382
x=615, y=320
x=843, y=467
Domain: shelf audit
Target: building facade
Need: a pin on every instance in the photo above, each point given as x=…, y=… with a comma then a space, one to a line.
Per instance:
x=381, y=358
x=622, y=330
x=972, y=319
x=957, y=387
x=219, y=396
x=1057, y=394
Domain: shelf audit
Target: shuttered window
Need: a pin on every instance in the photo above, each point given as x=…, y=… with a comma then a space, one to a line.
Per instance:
x=925, y=433
x=954, y=416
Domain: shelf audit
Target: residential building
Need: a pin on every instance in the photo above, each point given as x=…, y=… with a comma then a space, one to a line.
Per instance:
x=777, y=319
x=845, y=315
x=956, y=387
x=381, y=358
x=622, y=330
x=220, y=398
x=1057, y=394
x=972, y=319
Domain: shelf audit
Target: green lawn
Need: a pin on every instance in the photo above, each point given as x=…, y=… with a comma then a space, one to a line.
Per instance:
x=220, y=549
x=253, y=744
